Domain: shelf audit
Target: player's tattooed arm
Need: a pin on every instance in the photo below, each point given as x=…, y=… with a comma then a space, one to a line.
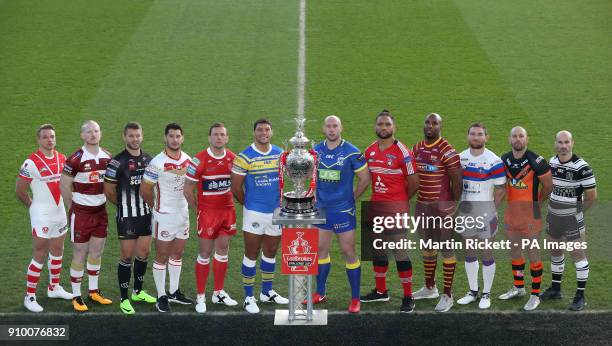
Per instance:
x=21, y=191
x=66, y=189
x=237, y=187
x=499, y=194
x=412, y=184
x=188, y=192
x=146, y=192
x=363, y=180
x=456, y=178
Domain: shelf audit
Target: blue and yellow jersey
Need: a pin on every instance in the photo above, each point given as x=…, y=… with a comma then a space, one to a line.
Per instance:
x=336, y=171
x=261, y=189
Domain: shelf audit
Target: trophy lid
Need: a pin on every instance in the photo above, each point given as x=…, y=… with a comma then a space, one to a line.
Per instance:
x=299, y=140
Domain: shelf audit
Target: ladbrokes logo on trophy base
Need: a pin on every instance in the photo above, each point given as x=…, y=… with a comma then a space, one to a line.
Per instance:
x=300, y=247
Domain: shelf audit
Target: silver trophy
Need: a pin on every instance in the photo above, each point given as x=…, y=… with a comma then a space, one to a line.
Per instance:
x=298, y=210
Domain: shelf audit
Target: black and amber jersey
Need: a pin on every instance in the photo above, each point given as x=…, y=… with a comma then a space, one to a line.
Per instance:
x=523, y=182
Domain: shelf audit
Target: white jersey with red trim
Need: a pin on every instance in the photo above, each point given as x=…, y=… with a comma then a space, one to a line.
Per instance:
x=44, y=173
x=168, y=175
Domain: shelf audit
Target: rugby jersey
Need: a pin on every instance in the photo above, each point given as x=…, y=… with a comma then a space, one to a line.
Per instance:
x=389, y=169
x=212, y=174
x=126, y=171
x=480, y=175
x=261, y=188
x=434, y=161
x=88, y=171
x=570, y=180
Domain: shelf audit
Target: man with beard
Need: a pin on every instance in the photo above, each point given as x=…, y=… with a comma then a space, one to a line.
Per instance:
x=440, y=186
x=526, y=171
x=394, y=180
x=162, y=187
x=255, y=184
x=210, y=170
x=484, y=182
x=82, y=187
x=339, y=162
x=574, y=191
x=122, y=187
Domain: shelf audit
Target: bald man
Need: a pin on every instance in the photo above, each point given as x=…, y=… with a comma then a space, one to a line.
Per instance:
x=339, y=162
x=440, y=186
x=574, y=191
x=528, y=184
x=82, y=188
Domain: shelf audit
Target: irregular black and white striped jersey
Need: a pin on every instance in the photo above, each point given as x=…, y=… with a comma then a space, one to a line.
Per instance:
x=570, y=179
x=126, y=172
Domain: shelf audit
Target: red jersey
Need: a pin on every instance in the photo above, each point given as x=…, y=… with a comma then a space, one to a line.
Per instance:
x=389, y=169
x=212, y=174
x=434, y=161
x=88, y=172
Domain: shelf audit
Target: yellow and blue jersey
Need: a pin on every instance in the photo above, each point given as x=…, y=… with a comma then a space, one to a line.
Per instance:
x=336, y=171
x=261, y=189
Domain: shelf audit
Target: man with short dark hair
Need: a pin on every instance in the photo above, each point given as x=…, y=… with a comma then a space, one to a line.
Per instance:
x=122, y=187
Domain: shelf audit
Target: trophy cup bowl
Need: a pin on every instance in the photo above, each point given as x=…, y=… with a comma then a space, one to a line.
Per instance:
x=299, y=167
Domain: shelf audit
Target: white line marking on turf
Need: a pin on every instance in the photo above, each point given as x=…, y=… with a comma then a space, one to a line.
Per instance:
x=301, y=87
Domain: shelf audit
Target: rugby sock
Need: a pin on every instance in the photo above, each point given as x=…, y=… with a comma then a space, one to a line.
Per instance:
x=380, y=273
x=430, y=262
x=219, y=271
x=557, y=266
x=404, y=271
x=488, y=274
x=324, y=268
x=536, y=277
x=124, y=272
x=159, y=276
x=353, y=272
x=202, y=268
x=140, y=268
x=449, y=265
x=93, y=272
x=33, y=275
x=76, y=276
x=518, y=271
x=174, y=269
x=248, y=275
x=267, y=273
x=582, y=275
x=54, y=263
x=471, y=269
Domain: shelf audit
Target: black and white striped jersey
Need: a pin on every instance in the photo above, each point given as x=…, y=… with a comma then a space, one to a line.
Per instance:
x=126, y=172
x=570, y=180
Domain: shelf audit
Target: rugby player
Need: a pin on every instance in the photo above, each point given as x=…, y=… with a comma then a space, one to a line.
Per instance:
x=339, y=162
x=440, y=187
x=41, y=173
x=162, y=187
x=526, y=172
x=210, y=170
x=574, y=192
x=133, y=216
x=82, y=187
x=484, y=183
x=394, y=181
x=255, y=184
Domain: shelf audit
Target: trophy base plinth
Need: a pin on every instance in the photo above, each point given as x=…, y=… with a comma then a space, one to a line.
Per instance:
x=298, y=206
x=291, y=219
x=318, y=318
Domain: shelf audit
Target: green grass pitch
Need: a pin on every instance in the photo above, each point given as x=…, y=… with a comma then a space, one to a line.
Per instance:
x=540, y=64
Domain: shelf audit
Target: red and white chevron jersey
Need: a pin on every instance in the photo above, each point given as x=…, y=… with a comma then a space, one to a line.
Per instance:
x=212, y=174
x=44, y=173
x=88, y=171
x=389, y=169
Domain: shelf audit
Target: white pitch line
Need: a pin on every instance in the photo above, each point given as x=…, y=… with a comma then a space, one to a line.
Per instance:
x=301, y=87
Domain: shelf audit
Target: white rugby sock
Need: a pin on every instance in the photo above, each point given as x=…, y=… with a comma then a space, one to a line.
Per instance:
x=174, y=268
x=488, y=274
x=471, y=269
x=159, y=276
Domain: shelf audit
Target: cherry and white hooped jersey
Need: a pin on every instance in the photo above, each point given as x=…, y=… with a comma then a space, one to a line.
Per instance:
x=480, y=175
x=168, y=175
x=44, y=173
x=88, y=171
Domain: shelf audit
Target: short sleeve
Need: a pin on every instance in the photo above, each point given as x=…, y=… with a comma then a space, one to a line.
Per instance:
x=151, y=173
x=540, y=166
x=586, y=178
x=240, y=166
x=26, y=172
x=71, y=166
x=498, y=173
x=450, y=158
x=358, y=162
x=112, y=171
x=193, y=169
